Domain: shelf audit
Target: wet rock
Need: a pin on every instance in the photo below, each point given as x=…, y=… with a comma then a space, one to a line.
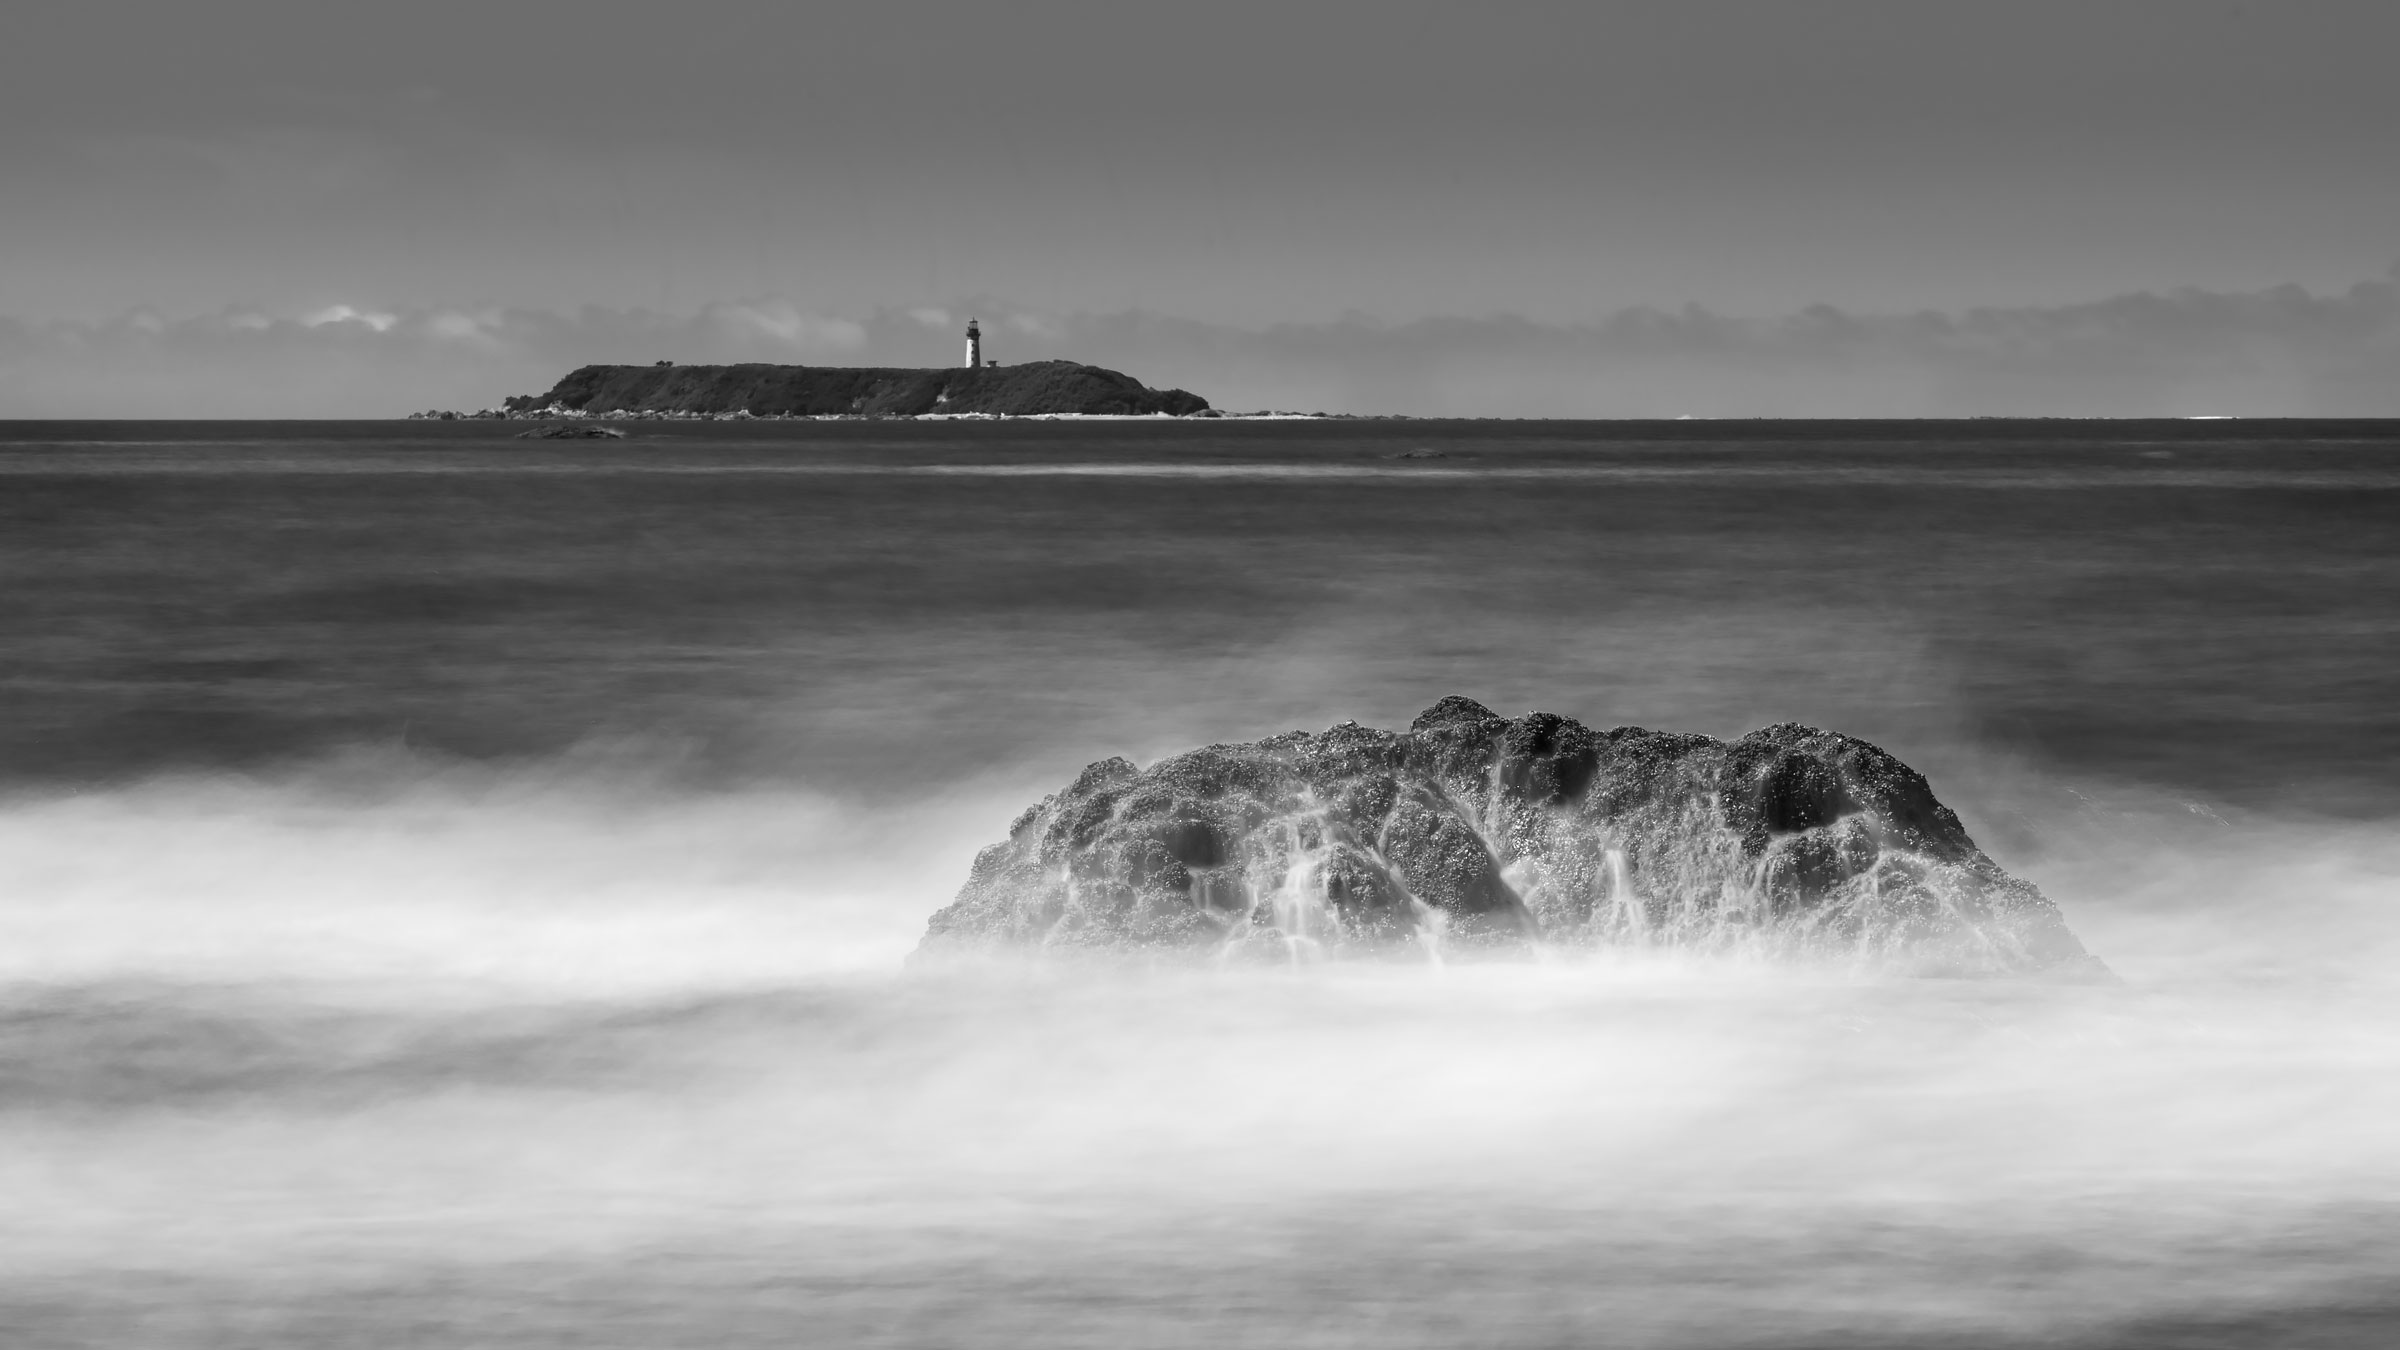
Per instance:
x=1474, y=831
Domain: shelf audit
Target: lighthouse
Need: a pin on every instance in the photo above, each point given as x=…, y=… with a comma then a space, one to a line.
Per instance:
x=974, y=346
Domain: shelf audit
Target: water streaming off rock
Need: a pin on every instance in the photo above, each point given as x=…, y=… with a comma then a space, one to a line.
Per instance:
x=454, y=891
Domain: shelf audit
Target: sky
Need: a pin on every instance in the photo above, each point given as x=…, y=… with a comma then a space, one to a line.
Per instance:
x=253, y=207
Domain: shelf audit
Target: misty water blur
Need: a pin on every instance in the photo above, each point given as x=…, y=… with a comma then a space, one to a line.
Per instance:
x=454, y=892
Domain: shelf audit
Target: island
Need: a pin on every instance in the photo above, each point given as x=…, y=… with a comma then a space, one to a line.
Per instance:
x=1034, y=389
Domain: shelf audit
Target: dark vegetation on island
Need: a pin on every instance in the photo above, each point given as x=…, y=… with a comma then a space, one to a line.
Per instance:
x=1470, y=830
x=1032, y=389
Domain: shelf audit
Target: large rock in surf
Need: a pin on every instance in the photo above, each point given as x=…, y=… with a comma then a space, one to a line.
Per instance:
x=1471, y=830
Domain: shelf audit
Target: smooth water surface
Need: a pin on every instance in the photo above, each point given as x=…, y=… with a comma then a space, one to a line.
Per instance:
x=453, y=889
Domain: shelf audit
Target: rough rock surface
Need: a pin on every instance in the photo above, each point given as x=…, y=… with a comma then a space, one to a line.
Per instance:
x=1470, y=830
x=1036, y=387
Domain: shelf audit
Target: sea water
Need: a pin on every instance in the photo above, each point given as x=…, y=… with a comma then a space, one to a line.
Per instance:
x=454, y=890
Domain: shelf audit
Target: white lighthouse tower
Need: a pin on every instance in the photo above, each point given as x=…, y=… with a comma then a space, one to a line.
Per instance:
x=974, y=346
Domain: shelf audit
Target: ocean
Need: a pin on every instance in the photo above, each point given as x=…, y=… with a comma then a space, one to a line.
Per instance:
x=455, y=890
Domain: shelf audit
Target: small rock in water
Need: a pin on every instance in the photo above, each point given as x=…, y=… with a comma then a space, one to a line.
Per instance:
x=570, y=431
x=1470, y=830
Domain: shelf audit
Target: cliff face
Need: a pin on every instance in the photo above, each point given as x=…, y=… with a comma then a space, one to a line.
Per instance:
x=823, y=391
x=1473, y=830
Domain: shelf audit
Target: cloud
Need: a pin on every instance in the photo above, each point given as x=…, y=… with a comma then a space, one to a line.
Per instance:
x=376, y=320
x=781, y=322
x=347, y=360
x=2278, y=352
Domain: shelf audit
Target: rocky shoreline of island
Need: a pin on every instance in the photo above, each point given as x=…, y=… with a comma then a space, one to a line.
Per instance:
x=553, y=414
x=569, y=415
